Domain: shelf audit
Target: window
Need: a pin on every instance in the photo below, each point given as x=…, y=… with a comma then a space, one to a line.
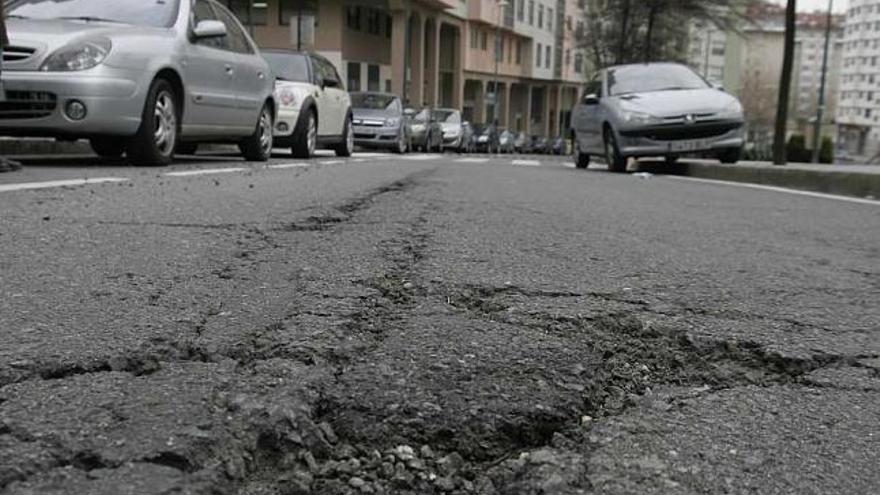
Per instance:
x=353, y=17
x=373, y=21
x=578, y=63
x=538, y=55
x=389, y=26
x=354, y=76
x=236, y=40
x=519, y=50
x=531, y=12
x=202, y=11
x=289, y=10
x=549, y=19
x=484, y=41
x=499, y=48
x=540, y=16
x=372, y=77
x=250, y=14
x=549, y=56
x=474, y=39
x=520, y=10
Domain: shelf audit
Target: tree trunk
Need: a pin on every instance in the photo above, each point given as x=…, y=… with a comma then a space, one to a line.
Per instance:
x=779, y=157
x=649, y=33
x=624, y=32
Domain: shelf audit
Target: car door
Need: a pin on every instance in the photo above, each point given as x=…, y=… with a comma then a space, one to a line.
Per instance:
x=208, y=73
x=588, y=122
x=335, y=96
x=250, y=72
x=323, y=98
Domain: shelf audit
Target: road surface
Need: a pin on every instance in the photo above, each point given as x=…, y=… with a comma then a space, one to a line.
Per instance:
x=432, y=324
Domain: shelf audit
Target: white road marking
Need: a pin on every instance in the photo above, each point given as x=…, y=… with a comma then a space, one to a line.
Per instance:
x=59, y=183
x=472, y=160
x=332, y=162
x=848, y=199
x=371, y=155
x=283, y=166
x=421, y=158
x=527, y=163
x=205, y=171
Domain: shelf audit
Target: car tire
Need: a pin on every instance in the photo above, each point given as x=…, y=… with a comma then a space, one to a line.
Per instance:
x=731, y=156
x=108, y=147
x=616, y=161
x=156, y=138
x=186, y=149
x=581, y=160
x=400, y=149
x=346, y=147
x=258, y=146
x=305, y=137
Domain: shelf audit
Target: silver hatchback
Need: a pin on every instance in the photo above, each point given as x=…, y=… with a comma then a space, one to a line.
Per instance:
x=140, y=78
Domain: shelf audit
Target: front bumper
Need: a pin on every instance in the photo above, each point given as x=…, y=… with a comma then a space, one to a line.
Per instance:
x=452, y=140
x=680, y=141
x=285, y=122
x=376, y=137
x=114, y=101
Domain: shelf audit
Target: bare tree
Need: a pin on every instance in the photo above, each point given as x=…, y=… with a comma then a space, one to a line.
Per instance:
x=779, y=143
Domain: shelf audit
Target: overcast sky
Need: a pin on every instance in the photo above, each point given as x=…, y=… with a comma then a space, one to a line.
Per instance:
x=811, y=5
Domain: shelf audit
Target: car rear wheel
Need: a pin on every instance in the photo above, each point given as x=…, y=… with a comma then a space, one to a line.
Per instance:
x=108, y=147
x=258, y=146
x=346, y=147
x=581, y=159
x=730, y=156
x=156, y=139
x=305, y=138
x=616, y=161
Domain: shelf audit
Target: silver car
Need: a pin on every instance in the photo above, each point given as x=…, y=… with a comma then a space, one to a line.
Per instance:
x=649, y=110
x=135, y=77
x=379, y=122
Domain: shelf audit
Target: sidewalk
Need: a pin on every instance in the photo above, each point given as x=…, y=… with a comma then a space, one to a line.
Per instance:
x=862, y=181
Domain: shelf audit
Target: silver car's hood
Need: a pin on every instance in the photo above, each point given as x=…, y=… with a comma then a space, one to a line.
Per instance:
x=675, y=103
x=372, y=113
x=450, y=127
x=46, y=36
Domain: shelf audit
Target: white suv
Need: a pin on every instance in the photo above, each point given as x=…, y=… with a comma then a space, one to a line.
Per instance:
x=314, y=110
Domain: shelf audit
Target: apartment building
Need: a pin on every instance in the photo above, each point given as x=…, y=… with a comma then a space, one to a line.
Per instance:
x=442, y=52
x=858, y=112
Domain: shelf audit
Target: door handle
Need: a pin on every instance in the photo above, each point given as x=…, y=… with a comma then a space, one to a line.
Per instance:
x=229, y=70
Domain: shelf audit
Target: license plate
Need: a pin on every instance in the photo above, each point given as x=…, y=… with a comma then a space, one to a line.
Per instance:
x=686, y=146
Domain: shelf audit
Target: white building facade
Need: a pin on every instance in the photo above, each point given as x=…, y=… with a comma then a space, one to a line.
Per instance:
x=858, y=111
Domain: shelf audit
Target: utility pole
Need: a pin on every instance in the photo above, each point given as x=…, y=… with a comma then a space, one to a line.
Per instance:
x=820, y=108
x=502, y=4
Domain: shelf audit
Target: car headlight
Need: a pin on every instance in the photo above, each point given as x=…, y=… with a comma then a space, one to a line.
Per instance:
x=418, y=127
x=82, y=55
x=640, y=118
x=287, y=98
x=392, y=122
x=452, y=132
x=733, y=110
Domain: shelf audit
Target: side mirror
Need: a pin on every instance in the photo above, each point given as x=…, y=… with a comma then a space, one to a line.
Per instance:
x=719, y=86
x=330, y=83
x=210, y=29
x=591, y=99
x=409, y=112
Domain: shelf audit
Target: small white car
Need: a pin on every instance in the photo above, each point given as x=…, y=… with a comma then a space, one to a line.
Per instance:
x=314, y=110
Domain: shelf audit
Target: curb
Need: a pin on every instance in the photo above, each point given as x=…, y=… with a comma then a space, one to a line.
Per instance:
x=20, y=147
x=838, y=181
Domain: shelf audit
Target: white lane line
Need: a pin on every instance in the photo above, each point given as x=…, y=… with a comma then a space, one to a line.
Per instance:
x=527, y=163
x=421, y=158
x=359, y=160
x=59, y=183
x=472, y=160
x=283, y=166
x=206, y=171
x=371, y=155
x=778, y=189
x=332, y=162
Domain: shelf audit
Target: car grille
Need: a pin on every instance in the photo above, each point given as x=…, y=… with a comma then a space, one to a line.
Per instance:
x=369, y=123
x=17, y=53
x=27, y=105
x=683, y=132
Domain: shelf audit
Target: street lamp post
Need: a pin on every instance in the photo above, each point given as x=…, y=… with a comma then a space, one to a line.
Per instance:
x=502, y=4
x=820, y=108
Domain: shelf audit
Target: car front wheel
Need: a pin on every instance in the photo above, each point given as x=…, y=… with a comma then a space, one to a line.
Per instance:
x=581, y=159
x=156, y=139
x=616, y=161
x=731, y=156
x=346, y=147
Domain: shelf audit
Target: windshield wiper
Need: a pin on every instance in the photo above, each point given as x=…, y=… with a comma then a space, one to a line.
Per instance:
x=88, y=18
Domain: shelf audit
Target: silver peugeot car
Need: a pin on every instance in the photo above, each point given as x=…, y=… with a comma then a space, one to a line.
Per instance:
x=661, y=109
x=144, y=78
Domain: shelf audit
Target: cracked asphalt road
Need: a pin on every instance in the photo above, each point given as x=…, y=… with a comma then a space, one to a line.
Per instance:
x=391, y=325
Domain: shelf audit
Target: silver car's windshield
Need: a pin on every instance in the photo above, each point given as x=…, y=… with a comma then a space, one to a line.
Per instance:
x=649, y=78
x=373, y=101
x=289, y=66
x=150, y=13
x=448, y=117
